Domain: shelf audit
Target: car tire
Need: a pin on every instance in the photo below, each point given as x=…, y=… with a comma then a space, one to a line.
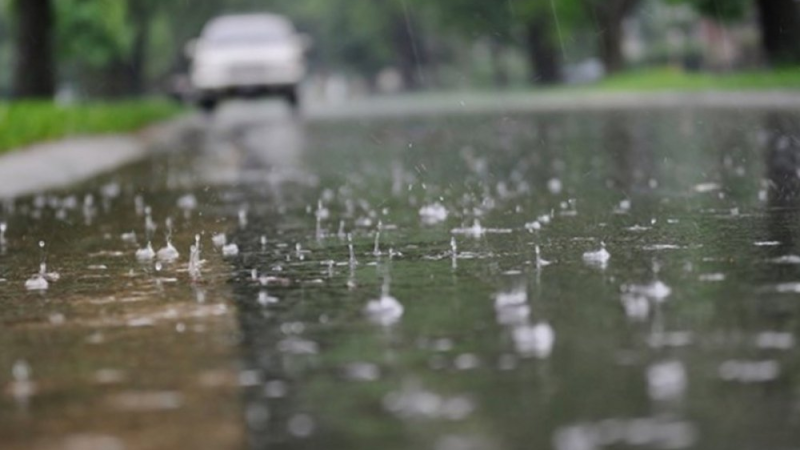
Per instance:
x=208, y=104
x=292, y=98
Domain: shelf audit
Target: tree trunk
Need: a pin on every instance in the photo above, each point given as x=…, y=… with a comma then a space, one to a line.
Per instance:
x=499, y=72
x=34, y=73
x=610, y=15
x=137, y=70
x=411, y=55
x=543, y=55
x=611, y=45
x=780, y=30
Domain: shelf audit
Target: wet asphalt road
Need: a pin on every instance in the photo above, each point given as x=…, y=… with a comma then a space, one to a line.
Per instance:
x=441, y=328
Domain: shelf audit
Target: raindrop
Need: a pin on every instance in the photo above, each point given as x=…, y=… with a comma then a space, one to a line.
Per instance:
x=353, y=261
x=745, y=371
x=265, y=299
x=377, y=251
x=534, y=340
x=243, y=218
x=656, y=290
x=219, y=240
x=21, y=371
x=554, y=186
x=341, y=234
x=275, y=389
x=476, y=230
x=386, y=310
x=38, y=282
x=168, y=253
x=466, y=361
x=636, y=307
x=513, y=298
x=257, y=416
x=146, y=254
x=362, y=371
x=128, y=237
x=301, y=425
x=433, y=213
x=533, y=226
x=230, y=249
x=540, y=262
x=187, y=203
x=666, y=380
x=194, y=258
x=149, y=225
x=597, y=257
x=453, y=252
x=22, y=388
x=775, y=340
x=138, y=204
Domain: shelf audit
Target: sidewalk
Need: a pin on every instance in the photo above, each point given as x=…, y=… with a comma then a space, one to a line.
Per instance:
x=60, y=163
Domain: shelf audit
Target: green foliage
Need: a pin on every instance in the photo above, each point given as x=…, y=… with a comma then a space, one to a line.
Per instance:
x=354, y=33
x=721, y=10
x=93, y=32
x=24, y=123
x=500, y=20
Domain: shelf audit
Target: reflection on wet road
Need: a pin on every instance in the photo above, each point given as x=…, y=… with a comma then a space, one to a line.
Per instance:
x=570, y=280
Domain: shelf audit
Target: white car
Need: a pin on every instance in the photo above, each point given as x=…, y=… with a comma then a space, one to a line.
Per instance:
x=247, y=55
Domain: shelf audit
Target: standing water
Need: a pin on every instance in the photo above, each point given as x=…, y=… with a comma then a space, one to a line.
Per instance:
x=275, y=344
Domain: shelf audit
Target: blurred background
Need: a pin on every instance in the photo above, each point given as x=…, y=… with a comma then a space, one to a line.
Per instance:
x=87, y=49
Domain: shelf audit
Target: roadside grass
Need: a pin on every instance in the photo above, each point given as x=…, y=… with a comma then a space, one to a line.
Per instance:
x=663, y=79
x=28, y=122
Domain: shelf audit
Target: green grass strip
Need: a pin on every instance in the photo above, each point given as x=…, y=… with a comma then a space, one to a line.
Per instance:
x=675, y=79
x=24, y=123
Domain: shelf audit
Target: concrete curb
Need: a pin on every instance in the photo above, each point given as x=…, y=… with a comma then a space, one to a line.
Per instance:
x=61, y=163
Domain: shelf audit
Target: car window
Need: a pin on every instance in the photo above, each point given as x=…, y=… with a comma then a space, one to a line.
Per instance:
x=246, y=30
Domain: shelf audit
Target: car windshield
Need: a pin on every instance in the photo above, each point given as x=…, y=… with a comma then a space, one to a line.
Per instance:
x=247, y=30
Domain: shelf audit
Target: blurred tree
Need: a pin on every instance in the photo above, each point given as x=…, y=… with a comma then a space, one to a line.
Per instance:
x=34, y=70
x=779, y=23
x=142, y=14
x=476, y=19
x=780, y=30
x=366, y=36
x=538, y=22
x=548, y=25
x=543, y=51
x=609, y=16
x=409, y=45
x=720, y=10
x=94, y=43
x=5, y=51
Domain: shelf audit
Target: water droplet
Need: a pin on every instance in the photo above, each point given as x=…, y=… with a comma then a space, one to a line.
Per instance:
x=433, y=213
x=666, y=380
x=301, y=425
x=219, y=240
x=598, y=257
x=146, y=254
x=230, y=249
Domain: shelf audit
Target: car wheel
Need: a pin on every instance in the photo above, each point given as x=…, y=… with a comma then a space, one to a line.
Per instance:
x=208, y=104
x=292, y=98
